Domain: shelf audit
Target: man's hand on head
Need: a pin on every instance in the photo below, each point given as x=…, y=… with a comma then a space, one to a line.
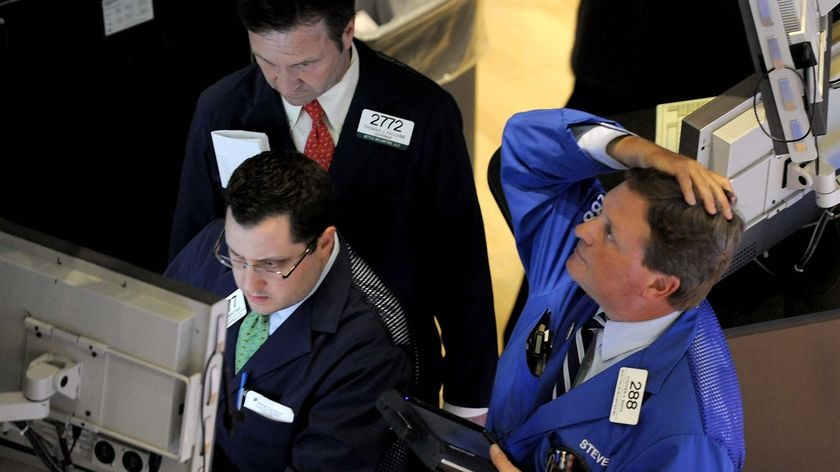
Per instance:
x=696, y=181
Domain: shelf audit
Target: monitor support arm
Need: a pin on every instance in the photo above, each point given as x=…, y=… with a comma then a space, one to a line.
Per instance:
x=45, y=376
x=818, y=175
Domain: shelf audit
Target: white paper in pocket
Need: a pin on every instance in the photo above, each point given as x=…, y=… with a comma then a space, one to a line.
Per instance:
x=233, y=146
x=270, y=409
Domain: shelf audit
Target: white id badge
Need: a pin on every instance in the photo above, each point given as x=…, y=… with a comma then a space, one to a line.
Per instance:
x=236, y=307
x=385, y=129
x=628, y=396
x=270, y=409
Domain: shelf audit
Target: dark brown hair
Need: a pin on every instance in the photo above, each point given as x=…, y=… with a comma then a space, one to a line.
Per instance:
x=283, y=183
x=263, y=16
x=685, y=241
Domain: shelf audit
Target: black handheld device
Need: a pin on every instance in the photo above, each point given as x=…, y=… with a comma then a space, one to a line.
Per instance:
x=441, y=440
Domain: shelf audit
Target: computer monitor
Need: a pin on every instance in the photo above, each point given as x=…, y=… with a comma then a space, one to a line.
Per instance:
x=725, y=136
x=105, y=365
x=749, y=134
x=790, y=42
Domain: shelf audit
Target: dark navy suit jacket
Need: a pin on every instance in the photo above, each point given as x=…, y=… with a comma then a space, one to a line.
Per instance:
x=412, y=214
x=328, y=362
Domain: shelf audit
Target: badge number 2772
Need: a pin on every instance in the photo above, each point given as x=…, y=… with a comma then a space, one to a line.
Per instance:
x=385, y=129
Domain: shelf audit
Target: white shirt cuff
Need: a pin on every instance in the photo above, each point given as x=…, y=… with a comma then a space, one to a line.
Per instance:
x=464, y=412
x=594, y=140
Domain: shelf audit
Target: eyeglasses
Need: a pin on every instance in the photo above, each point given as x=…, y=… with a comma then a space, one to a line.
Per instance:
x=265, y=267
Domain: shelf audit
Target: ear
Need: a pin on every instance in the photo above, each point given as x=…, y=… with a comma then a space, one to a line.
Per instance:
x=347, y=35
x=325, y=240
x=661, y=287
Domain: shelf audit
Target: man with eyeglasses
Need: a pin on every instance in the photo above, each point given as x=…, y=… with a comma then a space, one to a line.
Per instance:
x=401, y=169
x=305, y=398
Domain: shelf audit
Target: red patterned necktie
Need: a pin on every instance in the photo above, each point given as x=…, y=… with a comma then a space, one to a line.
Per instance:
x=319, y=145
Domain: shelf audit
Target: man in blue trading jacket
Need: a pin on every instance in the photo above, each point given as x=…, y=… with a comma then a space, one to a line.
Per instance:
x=657, y=389
x=407, y=204
x=307, y=394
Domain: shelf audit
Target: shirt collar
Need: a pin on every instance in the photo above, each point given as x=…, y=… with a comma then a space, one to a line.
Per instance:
x=620, y=337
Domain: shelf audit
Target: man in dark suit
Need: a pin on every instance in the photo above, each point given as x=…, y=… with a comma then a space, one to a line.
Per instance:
x=407, y=200
x=306, y=394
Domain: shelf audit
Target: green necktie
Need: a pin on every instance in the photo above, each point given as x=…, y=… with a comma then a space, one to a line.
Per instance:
x=252, y=333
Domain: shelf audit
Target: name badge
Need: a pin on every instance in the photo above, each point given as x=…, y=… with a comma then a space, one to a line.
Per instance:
x=385, y=129
x=236, y=307
x=270, y=409
x=628, y=396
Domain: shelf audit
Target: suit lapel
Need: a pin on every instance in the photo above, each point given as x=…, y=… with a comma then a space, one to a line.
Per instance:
x=372, y=92
x=582, y=307
x=230, y=351
x=292, y=340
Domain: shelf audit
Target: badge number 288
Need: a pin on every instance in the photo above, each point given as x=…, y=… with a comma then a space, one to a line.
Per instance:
x=629, y=392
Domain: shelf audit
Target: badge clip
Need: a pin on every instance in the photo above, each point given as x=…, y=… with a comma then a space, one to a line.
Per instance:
x=538, y=346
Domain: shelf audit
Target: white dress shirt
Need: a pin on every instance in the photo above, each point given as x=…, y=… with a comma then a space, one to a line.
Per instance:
x=620, y=339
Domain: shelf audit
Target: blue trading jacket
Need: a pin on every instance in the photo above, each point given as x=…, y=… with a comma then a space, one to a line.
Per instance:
x=691, y=417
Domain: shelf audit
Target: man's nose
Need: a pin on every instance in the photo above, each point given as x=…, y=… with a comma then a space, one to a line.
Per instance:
x=287, y=82
x=251, y=279
x=584, y=231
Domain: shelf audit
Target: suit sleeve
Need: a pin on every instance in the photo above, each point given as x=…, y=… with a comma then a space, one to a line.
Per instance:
x=464, y=300
x=200, y=199
x=343, y=426
x=197, y=266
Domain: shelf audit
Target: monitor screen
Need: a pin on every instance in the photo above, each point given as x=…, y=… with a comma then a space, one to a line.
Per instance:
x=104, y=365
